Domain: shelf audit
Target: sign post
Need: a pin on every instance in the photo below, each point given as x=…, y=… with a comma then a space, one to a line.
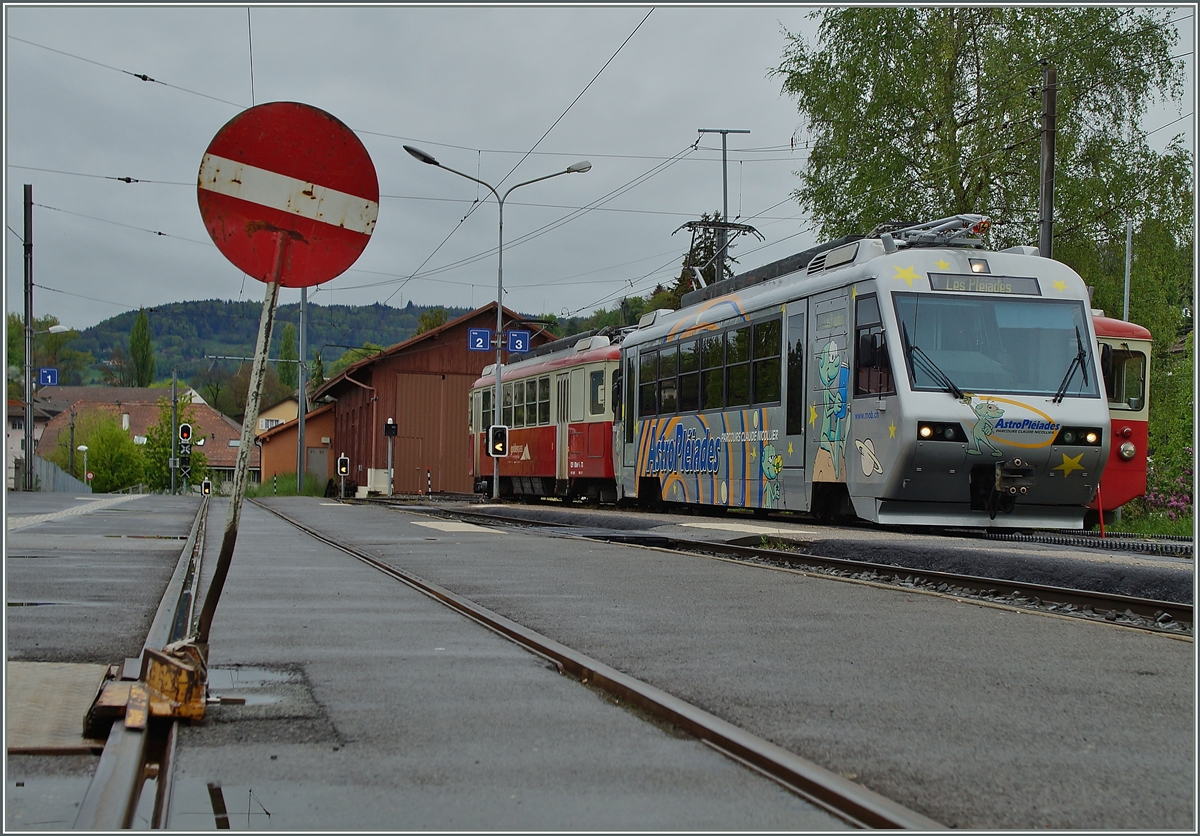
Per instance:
x=290, y=196
x=390, y=429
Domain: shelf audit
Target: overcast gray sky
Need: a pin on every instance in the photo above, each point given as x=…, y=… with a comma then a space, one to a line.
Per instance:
x=475, y=87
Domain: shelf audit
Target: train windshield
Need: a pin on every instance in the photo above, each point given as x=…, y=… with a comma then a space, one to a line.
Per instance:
x=997, y=345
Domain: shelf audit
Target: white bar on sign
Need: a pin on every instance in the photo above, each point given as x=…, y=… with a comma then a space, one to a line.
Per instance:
x=287, y=194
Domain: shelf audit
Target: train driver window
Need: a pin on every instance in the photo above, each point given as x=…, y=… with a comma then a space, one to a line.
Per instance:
x=1125, y=380
x=873, y=368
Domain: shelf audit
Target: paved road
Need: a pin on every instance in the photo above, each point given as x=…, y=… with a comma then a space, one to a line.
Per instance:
x=976, y=716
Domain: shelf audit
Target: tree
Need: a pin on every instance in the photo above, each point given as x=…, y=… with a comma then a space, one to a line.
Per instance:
x=288, y=368
x=316, y=376
x=141, y=350
x=214, y=384
x=119, y=370
x=351, y=356
x=916, y=113
x=112, y=455
x=428, y=320
x=157, y=450
x=49, y=350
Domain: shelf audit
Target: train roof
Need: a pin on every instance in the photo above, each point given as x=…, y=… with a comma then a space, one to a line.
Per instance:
x=591, y=346
x=1108, y=327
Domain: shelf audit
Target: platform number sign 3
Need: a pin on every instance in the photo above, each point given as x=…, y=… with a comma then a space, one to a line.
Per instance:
x=518, y=341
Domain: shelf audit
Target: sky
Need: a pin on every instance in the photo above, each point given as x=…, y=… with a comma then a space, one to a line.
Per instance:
x=503, y=93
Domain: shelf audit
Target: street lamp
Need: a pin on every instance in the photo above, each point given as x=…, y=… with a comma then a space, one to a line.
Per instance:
x=29, y=334
x=575, y=168
x=82, y=448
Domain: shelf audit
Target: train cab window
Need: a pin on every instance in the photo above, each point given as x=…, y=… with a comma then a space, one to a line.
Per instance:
x=795, y=375
x=1125, y=380
x=627, y=400
x=873, y=368
x=518, y=405
x=768, y=339
x=689, y=376
x=543, y=401
x=648, y=385
x=485, y=409
x=667, y=389
x=506, y=406
x=712, y=371
x=596, y=392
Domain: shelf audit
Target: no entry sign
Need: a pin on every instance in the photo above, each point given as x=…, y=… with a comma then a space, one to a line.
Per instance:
x=288, y=192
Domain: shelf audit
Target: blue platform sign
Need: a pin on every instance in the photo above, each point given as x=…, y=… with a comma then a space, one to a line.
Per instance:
x=47, y=377
x=518, y=341
x=479, y=339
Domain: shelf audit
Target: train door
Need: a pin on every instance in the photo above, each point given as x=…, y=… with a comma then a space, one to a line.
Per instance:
x=875, y=409
x=562, y=416
x=795, y=407
x=625, y=443
x=828, y=419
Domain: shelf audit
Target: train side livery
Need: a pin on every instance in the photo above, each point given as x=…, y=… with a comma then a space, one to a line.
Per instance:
x=1126, y=350
x=907, y=377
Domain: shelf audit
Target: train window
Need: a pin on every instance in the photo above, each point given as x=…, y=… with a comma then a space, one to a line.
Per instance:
x=873, y=368
x=795, y=375
x=767, y=343
x=712, y=374
x=1126, y=379
x=667, y=364
x=596, y=392
x=648, y=385
x=506, y=406
x=689, y=357
x=486, y=409
x=737, y=370
x=543, y=401
x=518, y=405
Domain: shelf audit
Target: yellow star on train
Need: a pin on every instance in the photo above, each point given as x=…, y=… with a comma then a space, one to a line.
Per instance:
x=892, y=430
x=790, y=451
x=942, y=264
x=812, y=415
x=906, y=273
x=1059, y=285
x=1069, y=464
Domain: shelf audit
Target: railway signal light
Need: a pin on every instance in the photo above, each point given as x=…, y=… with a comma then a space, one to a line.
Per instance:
x=343, y=466
x=206, y=488
x=185, y=432
x=498, y=441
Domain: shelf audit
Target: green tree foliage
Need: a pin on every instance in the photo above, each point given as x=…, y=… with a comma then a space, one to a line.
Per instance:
x=288, y=368
x=351, y=356
x=156, y=452
x=316, y=373
x=141, y=350
x=49, y=351
x=916, y=113
x=431, y=319
x=111, y=455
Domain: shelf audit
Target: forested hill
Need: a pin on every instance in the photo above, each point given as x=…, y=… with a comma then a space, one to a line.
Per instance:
x=183, y=333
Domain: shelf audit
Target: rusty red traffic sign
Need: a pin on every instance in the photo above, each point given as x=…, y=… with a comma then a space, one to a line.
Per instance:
x=292, y=174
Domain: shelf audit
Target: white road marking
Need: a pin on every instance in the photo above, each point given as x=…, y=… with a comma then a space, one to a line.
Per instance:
x=13, y=523
x=453, y=526
x=287, y=194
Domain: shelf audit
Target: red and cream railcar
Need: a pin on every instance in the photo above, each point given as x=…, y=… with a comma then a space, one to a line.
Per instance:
x=557, y=404
x=1125, y=352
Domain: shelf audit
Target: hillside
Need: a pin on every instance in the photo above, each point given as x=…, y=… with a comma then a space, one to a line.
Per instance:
x=185, y=333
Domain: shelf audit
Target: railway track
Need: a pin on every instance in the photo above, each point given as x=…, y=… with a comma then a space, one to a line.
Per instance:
x=140, y=747
x=1125, y=610
x=855, y=804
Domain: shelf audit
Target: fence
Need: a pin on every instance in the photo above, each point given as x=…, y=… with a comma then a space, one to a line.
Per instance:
x=48, y=476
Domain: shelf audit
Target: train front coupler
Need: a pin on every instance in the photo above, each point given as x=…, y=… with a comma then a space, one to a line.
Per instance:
x=1013, y=478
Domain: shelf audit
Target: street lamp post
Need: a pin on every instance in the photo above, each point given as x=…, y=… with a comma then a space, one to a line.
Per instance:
x=576, y=168
x=27, y=476
x=82, y=448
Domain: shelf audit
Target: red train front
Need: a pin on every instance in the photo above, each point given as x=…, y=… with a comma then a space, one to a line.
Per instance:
x=1125, y=352
x=557, y=404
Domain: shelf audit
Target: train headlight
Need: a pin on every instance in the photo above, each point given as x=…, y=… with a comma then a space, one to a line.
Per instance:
x=1080, y=436
x=939, y=431
x=926, y=431
x=1128, y=451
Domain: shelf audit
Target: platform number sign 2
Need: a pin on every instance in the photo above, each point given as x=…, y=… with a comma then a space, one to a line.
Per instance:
x=479, y=339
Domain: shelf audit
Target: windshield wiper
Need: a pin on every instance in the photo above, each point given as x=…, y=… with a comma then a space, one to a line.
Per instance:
x=1079, y=361
x=918, y=359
